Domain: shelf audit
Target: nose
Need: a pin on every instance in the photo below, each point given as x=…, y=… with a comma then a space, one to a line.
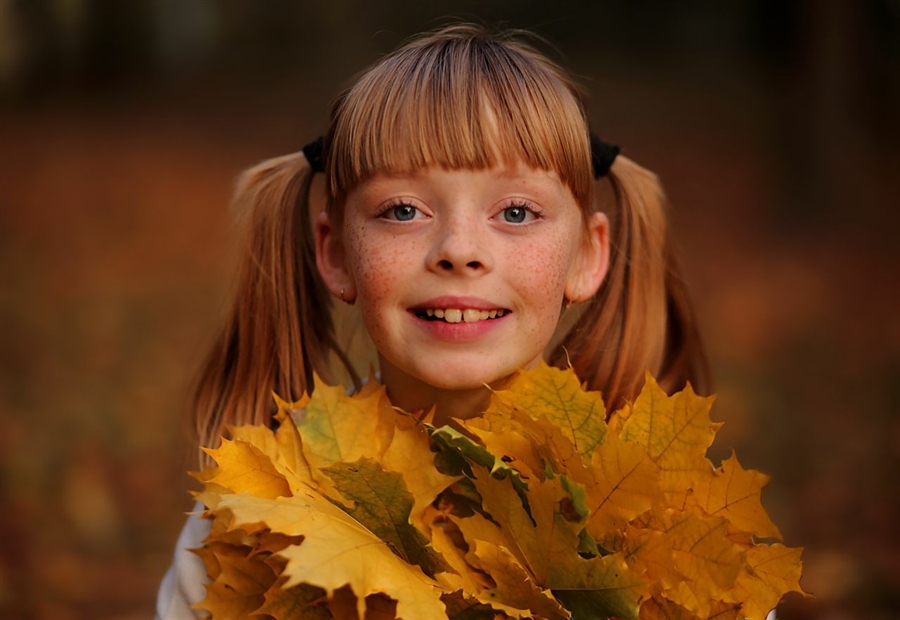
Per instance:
x=460, y=247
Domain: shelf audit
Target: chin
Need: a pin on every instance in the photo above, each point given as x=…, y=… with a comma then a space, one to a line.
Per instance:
x=465, y=378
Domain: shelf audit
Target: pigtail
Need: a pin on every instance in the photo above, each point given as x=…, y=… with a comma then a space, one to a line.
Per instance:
x=640, y=319
x=280, y=329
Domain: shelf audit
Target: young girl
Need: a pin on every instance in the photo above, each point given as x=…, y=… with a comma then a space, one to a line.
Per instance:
x=477, y=227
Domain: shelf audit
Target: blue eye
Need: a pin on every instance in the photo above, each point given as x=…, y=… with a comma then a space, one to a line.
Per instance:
x=400, y=213
x=517, y=214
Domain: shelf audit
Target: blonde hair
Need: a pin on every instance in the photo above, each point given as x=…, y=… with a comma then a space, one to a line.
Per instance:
x=457, y=98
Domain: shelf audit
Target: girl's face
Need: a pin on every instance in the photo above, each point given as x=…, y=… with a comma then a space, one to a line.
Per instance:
x=460, y=275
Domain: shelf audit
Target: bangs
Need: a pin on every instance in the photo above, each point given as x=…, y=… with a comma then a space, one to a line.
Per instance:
x=459, y=100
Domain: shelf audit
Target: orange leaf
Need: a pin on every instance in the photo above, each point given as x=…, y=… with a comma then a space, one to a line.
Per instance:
x=771, y=572
x=627, y=484
x=301, y=601
x=243, y=468
x=734, y=493
x=688, y=555
x=239, y=588
x=521, y=597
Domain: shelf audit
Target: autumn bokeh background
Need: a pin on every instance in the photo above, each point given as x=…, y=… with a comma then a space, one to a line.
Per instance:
x=123, y=123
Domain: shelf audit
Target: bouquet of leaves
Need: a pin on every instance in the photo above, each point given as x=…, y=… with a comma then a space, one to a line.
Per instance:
x=540, y=508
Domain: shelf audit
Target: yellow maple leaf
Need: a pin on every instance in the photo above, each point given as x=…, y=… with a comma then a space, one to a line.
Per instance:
x=462, y=575
x=504, y=436
x=336, y=551
x=626, y=484
x=513, y=591
x=533, y=446
x=290, y=449
x=770, y=572
x=734, y=493
x=283, y=448
x=244, y=468
x=676, y=431
x=409, y=454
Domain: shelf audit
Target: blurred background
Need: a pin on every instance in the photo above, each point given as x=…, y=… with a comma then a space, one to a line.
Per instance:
x=773, y=124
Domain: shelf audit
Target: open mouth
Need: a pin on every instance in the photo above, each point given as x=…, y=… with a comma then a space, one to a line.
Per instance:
x=457, y=315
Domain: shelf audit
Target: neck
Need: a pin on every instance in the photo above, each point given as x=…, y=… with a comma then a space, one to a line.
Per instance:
x=413, y=395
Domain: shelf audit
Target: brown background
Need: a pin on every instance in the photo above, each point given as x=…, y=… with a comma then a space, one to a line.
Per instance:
x=773, y=125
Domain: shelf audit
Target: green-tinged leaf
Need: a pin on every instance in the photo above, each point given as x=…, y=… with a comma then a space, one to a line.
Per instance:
x=460, y=453
x=382, y=504
x=290, y=450
x=557, y=396
x=548, y=546
x=605, y=585
x=503, y=436
x=336, y=428
x=587, y=546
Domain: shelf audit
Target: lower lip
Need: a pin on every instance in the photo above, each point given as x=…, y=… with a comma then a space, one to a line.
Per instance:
x=459, y=332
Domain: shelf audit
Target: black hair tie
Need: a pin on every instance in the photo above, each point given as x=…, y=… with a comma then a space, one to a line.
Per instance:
x=603, y=154
x=313, y=154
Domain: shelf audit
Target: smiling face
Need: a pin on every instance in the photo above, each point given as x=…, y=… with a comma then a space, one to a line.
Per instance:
x=460, y=275
x=458, y=173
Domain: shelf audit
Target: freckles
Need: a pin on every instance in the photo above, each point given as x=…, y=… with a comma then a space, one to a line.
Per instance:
x=547, y=264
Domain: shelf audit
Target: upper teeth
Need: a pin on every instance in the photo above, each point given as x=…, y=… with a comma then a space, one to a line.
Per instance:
x=469, y=315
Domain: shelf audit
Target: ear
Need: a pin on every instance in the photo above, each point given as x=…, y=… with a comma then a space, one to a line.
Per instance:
x=331, y=260
x=592, y=262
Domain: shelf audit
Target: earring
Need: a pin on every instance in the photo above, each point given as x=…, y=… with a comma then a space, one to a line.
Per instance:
x=349, y=302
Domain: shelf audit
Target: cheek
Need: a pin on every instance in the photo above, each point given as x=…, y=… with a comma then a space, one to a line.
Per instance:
x=379, y=266
x=544, y=268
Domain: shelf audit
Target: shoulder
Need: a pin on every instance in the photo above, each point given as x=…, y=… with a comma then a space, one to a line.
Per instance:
x=184, y=584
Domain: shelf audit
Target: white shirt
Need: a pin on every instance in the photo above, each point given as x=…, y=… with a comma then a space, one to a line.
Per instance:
x=184, y=584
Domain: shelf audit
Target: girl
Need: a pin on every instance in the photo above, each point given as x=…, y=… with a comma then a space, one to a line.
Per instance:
x=475, y=225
